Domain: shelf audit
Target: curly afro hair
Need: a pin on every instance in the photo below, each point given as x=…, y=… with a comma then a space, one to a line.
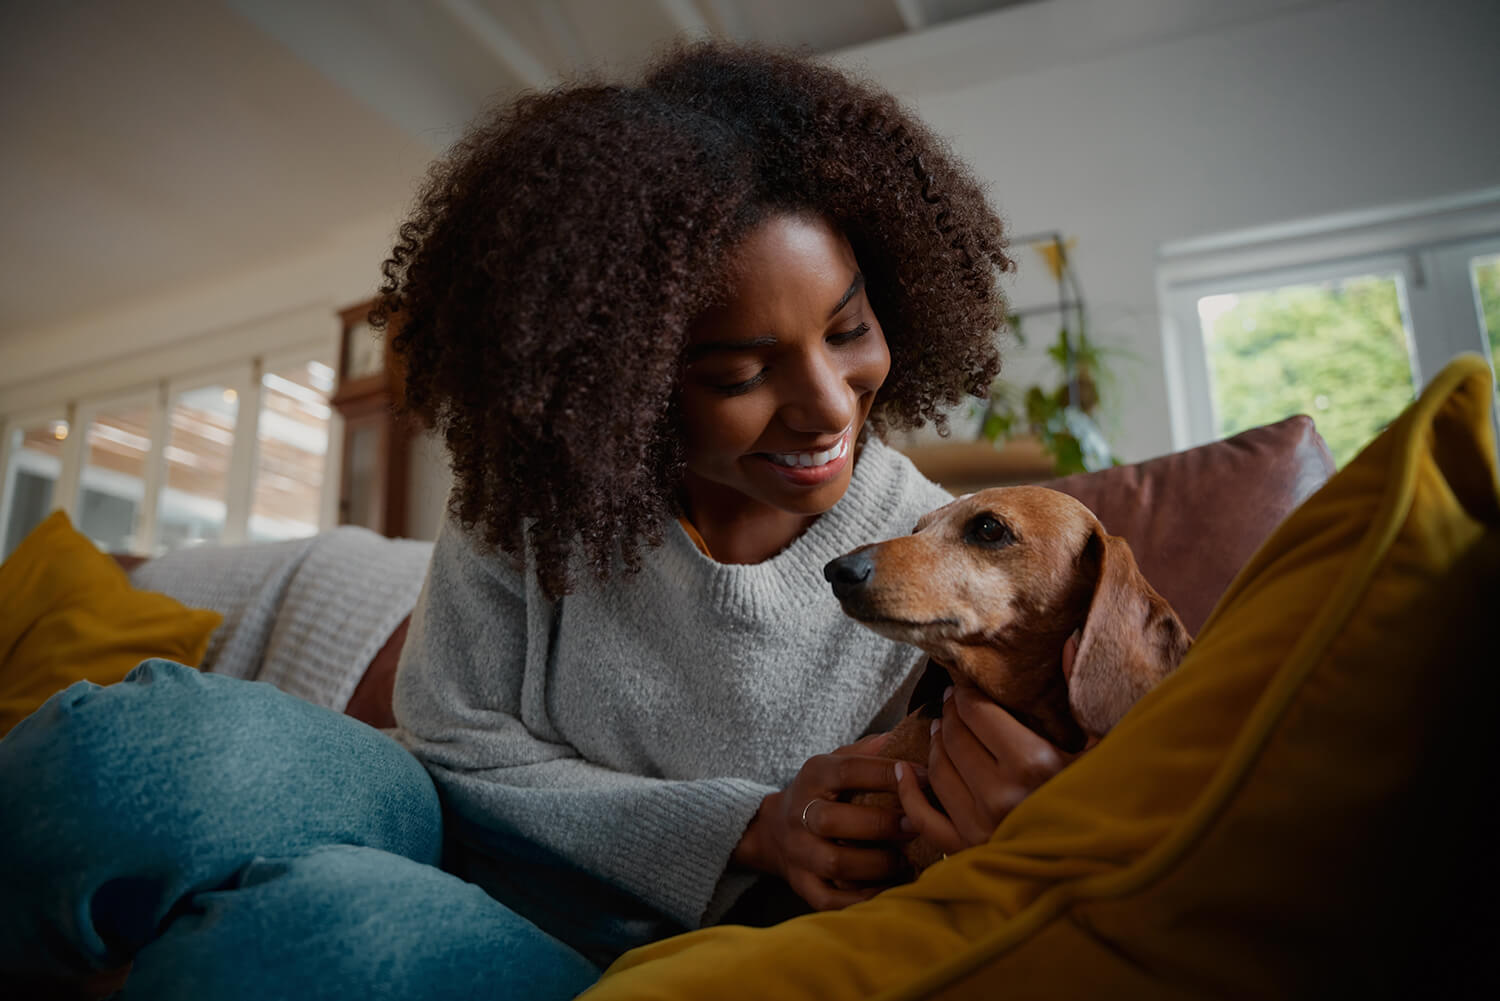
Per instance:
x=541, y=293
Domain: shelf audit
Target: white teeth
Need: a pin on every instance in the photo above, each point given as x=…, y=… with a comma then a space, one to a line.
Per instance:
x=808, y=459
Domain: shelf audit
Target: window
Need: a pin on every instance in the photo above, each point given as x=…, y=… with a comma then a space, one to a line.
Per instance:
x=1338, y=349
x=1342, y=319
x=235, y=454
x=32, y=452
x=193, y=505
x=1485, y=274
x=112, y=485
x=292, y=436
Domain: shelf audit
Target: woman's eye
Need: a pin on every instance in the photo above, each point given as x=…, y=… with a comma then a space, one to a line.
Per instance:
x=987, y=530
x=849, y=335
x=736, y=388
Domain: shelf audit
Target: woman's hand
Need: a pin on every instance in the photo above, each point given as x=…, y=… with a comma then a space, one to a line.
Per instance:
x=817, y=844
x=982, y=762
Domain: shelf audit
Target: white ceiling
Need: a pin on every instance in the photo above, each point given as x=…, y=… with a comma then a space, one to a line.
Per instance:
x=151, y=145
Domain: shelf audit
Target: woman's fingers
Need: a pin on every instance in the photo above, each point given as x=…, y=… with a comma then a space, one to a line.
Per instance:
x=972, y=755
x=843, y=863
x=828, y=775
x=831, y=852
x=924, y=818
x=1028, y=758
x=983, y=761
x=853, y=821
x=953, y=788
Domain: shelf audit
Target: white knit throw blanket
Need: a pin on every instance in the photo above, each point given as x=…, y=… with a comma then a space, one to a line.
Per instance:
x=306, y=615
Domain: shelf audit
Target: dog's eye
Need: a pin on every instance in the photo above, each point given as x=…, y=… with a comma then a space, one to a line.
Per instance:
x=987, y=530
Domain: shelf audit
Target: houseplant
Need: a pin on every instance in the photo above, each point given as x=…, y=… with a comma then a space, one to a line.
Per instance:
x=1061, y=413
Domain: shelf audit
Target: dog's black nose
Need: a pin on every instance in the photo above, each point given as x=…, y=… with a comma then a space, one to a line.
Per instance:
x=849, y=573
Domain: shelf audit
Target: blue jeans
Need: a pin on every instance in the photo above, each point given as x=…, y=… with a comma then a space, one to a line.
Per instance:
x=231, y=841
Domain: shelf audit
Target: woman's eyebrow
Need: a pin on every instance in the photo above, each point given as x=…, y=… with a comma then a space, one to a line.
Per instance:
x=697, y=351
x=700, y=350
x=850, y=293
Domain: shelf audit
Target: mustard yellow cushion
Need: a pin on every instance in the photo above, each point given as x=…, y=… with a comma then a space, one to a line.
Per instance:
x=69, y=614
x=1262, y=824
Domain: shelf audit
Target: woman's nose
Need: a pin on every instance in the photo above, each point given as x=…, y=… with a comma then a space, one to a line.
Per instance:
x=821, y=400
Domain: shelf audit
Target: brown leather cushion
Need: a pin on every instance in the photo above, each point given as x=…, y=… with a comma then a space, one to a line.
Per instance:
x=1193, y=518
x=371, y=701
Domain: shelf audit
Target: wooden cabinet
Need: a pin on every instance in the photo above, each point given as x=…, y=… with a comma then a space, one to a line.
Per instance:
x=377, y=441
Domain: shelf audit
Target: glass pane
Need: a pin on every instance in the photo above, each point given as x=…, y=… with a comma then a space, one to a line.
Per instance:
x=35, y=460
x=200, y=436
x=293, y=440
x=1485, y=273
x=361, y=469
x=113, y=479
x=1338, y=351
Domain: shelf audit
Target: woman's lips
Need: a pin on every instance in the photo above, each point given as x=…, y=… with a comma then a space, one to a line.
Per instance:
x=810, y=468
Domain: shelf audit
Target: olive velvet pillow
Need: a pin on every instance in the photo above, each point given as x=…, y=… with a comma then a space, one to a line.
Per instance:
x=1290, y=814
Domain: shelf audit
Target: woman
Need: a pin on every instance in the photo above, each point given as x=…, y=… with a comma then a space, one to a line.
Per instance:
x=661, y=329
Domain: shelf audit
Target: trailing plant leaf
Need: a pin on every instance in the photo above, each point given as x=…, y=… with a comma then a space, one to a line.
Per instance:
x=1094, y=452
x=1065, y=426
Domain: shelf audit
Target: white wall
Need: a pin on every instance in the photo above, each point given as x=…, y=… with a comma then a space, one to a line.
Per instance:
x=1305, y=110
x=429, y=480
x=1126, y=123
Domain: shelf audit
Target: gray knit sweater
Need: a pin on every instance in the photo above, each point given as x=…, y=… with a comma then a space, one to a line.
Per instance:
x=633, y=728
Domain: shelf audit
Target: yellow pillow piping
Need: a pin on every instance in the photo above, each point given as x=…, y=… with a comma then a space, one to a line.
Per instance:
x=1391, y=512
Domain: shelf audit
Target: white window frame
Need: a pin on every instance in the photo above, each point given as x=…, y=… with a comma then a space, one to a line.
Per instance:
x=244, y=379
x=69, y=489
x=15, y=422
x=328, y=513
x=1428, y=244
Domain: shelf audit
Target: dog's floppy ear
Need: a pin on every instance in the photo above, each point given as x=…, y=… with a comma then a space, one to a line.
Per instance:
x=1131, y=639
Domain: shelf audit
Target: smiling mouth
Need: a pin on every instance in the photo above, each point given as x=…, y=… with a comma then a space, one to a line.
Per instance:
x=809, y=460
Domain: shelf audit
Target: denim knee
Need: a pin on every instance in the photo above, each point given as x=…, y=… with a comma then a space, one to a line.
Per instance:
x=120, y=800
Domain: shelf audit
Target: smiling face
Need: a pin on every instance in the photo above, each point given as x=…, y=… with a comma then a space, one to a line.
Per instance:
x=778, y=382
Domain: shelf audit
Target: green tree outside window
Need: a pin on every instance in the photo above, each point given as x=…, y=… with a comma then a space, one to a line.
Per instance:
x=1486, y=274
x=1336, y=350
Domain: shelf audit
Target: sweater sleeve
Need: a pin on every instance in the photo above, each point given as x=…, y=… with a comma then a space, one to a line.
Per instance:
x=459, y=697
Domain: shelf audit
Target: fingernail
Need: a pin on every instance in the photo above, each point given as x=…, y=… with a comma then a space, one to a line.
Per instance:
x=947, y=693
x=898, y=771
x=934, y=728
x=907, y=827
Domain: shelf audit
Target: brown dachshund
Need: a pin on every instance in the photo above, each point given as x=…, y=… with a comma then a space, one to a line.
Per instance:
x=990, y=587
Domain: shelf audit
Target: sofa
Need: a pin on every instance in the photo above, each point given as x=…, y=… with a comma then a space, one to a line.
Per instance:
x=1295, y=812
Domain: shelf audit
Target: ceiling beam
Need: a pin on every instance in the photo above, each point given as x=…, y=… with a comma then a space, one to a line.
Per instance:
x=499, y=41
x=731, y=20
x=686, y=17
x=560, y=31
x=912, y=14
x=370, y=59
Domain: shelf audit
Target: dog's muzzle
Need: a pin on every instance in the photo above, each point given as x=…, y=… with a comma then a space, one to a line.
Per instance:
x=848, y=574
